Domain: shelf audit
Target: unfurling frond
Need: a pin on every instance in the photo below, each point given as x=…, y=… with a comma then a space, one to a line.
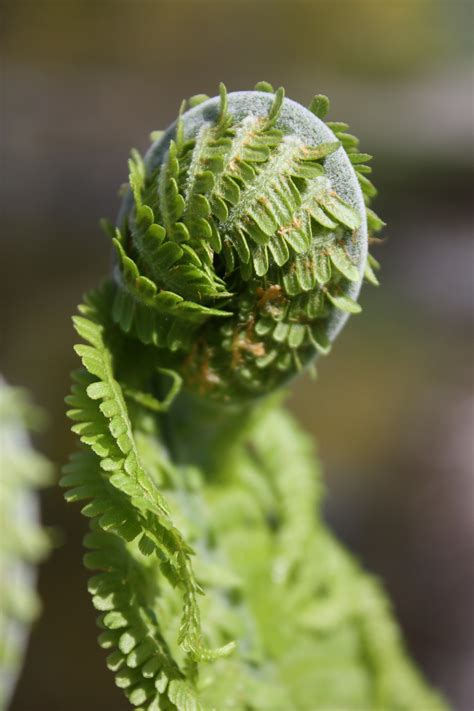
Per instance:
x=241, y=247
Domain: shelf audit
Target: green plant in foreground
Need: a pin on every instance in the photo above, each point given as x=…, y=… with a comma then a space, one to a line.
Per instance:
x=23, y=543
x=241, y=245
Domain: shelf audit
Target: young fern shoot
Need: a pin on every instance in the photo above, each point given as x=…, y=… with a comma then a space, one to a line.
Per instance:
x=241, y=247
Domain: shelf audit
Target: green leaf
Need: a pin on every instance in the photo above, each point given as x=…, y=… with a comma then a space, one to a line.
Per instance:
x=223, y=110
x=370, y=267
x=183, y=696
x=197, y=99
x=319, y=105
x=264, y=86
x=340, y=210
x=156, y=136
x=342, y=262
x=374, y=223
x=275, y=109
x=137, y=176
x=344, y=303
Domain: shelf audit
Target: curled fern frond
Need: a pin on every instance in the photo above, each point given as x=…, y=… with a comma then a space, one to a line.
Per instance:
x=259, y=222
x=241, y=246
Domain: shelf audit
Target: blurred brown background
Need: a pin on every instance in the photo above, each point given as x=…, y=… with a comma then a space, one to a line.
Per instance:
x=391, y=409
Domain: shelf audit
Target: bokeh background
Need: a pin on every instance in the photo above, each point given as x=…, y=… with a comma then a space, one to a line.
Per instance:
x=392, y=409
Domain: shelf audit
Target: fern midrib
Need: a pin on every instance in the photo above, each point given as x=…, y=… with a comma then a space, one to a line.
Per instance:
x=277, y=166
x=115, y=387
x=243, y=132
x=166, y=176
x=203, y=138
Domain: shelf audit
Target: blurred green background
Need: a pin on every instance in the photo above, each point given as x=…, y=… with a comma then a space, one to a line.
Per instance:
x=392, y=408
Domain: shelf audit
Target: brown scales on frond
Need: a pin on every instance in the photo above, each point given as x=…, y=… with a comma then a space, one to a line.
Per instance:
x=272, y=293
x=243, y=341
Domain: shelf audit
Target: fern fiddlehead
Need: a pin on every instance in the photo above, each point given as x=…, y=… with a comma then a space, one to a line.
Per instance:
x=241, y=246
